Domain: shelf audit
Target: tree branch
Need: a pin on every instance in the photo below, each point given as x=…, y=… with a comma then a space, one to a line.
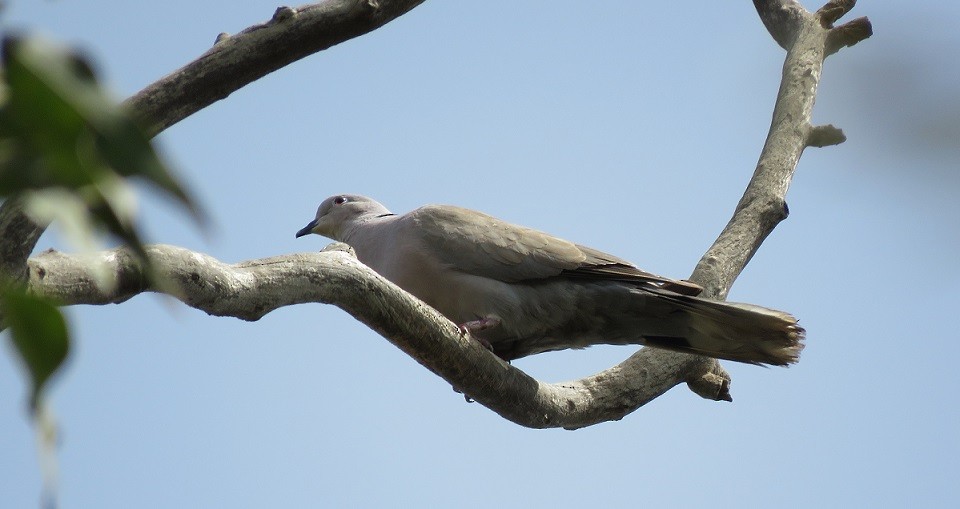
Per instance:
x=251, y=289
x=237, y=60
x=764, y=204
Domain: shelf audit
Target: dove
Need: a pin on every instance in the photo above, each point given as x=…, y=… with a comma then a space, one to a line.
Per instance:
x=521, y=291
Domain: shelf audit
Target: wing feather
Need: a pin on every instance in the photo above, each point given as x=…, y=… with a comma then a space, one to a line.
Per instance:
x=482, y=245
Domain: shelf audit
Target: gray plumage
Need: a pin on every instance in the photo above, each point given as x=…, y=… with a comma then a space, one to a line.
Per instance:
x=523, y=291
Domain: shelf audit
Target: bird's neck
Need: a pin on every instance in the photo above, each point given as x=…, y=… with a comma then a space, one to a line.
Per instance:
x=356, y=231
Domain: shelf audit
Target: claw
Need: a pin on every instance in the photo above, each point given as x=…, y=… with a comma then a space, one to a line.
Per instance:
x=475, y=326
x=487, y=322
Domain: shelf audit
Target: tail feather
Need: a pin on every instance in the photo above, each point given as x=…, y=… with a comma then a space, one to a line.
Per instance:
x=733, y=331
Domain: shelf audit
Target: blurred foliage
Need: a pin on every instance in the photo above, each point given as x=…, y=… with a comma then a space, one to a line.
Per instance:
x=39, y=333
x=59, y=130
x=67, y=150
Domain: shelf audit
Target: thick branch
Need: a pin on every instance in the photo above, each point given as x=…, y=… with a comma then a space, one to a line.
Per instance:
x=235, y=61
x=250, y=290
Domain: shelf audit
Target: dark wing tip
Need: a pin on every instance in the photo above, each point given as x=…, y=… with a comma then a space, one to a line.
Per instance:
x=683, y=287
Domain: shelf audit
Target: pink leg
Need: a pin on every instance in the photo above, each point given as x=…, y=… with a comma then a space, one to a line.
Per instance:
x=487, y=322
x=473, y=326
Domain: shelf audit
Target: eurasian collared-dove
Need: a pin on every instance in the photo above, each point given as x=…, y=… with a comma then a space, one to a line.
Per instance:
x=522, y=291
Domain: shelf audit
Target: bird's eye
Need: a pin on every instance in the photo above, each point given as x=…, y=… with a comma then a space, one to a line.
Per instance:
x=340, y=200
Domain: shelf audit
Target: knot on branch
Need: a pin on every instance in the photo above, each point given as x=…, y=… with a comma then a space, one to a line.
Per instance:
x=848, y=34
x=824, y=136
x=339, y=246
x=712, y=384
x=283, y=13
x=834, y=10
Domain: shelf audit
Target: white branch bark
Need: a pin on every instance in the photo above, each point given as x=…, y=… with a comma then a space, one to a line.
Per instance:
x=251, y=289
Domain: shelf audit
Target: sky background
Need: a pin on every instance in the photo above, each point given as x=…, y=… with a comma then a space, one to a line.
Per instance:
x=630, y=128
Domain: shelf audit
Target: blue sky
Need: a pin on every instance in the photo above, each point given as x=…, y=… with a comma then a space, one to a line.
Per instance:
x=632, y=130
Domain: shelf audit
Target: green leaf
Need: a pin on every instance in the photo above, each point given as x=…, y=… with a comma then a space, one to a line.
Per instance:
x=39, y=333
x=43, y=128
x=60, y=122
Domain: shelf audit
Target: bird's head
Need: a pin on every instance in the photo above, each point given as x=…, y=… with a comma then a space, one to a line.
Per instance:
x=338, y=213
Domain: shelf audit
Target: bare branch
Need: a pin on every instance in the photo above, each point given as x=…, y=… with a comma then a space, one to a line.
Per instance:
x=237, y=60
x=250, y=290
x=764, y=204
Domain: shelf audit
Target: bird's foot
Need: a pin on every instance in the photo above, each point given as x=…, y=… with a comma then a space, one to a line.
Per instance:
x=487, y=322
x=474, y=326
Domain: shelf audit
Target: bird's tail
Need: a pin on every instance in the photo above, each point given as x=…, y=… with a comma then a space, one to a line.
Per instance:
x=730, y=330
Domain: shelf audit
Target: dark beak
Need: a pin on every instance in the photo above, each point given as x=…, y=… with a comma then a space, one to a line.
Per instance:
x=307, y=230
